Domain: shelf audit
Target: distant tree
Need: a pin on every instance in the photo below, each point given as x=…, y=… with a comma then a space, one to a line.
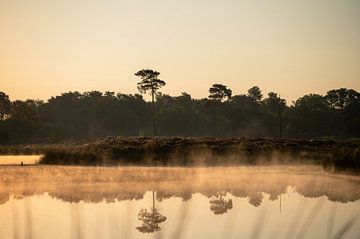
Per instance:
x=220, y=92
x=93, y=94
x=275, y=106
x=94, y=114
x=313, y=102
x=26, y=111
x=351, y=124
x=311, y=116
x=216, y=111
x=5, y=105
x=341, y=98
x=273, y=102
x=109, y=94
x=150, y=83
x=255, y=94
x=185, y=97
x=246, y=117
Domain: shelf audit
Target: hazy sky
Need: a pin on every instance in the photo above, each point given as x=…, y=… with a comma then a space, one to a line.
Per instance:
x=287, y=46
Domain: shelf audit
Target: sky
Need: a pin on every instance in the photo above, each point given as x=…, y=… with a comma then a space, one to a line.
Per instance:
x=291, y=47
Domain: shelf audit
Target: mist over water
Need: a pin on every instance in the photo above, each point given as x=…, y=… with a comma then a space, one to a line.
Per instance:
x=154, y=202
x=179, y=119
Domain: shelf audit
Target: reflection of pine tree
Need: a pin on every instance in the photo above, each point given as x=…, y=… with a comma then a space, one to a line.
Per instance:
x=276, y=192
x=150, y=219
x=219, y=204
x=255, y=199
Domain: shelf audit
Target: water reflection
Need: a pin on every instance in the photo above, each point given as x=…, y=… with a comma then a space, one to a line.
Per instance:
x=150, y=219
x=191, y=201
x=19, y=159
x=256, y=199
x=94, y=185
x=219, y=205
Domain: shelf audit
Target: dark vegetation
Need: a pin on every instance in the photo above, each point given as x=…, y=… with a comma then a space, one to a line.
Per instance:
x=207, y=152
x=76, y=116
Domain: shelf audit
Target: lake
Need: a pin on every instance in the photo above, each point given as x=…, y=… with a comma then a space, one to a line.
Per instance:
x=155, y=202
x=17, y=159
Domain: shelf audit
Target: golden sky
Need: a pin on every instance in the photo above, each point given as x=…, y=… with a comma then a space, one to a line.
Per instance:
x=292, y=47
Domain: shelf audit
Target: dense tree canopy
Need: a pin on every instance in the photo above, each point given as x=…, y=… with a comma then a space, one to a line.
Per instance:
x=75, y=116
x=342, y=98
x=5, y=105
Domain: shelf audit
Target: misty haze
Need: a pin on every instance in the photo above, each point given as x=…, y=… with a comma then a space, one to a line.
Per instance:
x=180, y=119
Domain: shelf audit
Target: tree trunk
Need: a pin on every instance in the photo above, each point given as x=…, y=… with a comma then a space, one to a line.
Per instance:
x=153, y=113
x=280, y=118
x=153, y=194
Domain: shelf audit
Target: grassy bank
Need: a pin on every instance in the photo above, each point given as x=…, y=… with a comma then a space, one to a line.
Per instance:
x=206, y=152
x=22, y=149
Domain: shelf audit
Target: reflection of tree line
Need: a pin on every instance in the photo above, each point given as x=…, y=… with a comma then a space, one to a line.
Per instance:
x=150, y=219
x=347, y=192
x=96, y=184
x=219, y=201
x=219, y=204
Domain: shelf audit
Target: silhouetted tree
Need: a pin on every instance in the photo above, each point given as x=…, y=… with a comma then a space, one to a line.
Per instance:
x=275, y=108
x=25, y=111
x=5, y=105
x=75, y=116
x=273, y=101
x=220, y=92
x=150, y=83
x=246, y=117
x=255, y=94
x=310, y=116
x=341, y=98
x=109, y=94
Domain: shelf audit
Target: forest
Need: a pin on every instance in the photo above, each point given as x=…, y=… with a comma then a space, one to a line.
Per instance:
x=74, y=116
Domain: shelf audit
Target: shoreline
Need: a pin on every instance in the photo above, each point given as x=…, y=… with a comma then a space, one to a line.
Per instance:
x=175, y=151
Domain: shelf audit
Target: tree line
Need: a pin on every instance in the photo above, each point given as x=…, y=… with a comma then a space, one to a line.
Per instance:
x=77, y=116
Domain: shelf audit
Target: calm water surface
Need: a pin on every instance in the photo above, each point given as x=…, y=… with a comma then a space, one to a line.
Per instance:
x=17, y=159
x=238, y=202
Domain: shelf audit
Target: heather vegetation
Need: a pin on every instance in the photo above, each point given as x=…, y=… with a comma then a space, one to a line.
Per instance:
x=333, y=155
x=76, y=116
